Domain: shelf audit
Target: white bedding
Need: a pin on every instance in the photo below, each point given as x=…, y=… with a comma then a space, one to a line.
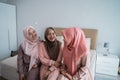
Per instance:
x=9, y=66
x=11, y=61
x=92, y=65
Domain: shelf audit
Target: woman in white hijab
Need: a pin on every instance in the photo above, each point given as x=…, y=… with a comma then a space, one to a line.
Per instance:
x=28, y=62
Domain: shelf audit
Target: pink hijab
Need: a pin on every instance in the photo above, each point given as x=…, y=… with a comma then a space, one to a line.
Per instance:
x=75, y=47
x=30, y=47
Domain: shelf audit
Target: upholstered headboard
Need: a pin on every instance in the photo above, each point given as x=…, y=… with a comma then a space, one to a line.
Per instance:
x=89, y=33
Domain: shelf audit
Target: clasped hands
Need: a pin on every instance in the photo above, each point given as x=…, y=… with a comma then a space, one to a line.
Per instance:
x=52, y=68
x=65, y=73
x=57, y=64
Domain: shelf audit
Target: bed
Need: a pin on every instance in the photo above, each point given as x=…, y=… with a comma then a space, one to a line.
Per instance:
x=9, y=66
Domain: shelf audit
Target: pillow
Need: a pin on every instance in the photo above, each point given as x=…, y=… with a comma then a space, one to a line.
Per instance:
x=60, y=38
x=88, y=42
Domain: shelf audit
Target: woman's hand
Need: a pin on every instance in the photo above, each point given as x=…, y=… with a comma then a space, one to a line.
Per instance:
x=57, y=64
x=63, y=71
x=34, y=66
x=66, y=74
x=46, y=75
x=63, y=66
x=21, y=77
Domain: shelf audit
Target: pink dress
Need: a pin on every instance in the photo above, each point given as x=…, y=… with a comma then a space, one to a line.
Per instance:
x=82, y=73
x=47, y=63
x=75, y=54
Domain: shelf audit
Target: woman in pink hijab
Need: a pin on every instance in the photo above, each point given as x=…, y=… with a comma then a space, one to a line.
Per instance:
x=75, y=55
x=27, y=60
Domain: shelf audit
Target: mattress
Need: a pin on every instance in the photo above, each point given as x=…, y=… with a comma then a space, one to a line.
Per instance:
x=92, y=65
x=9, y=68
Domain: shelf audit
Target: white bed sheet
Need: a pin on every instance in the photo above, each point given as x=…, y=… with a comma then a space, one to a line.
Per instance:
x=9, y=68
x=92, y=65
x=11, y=61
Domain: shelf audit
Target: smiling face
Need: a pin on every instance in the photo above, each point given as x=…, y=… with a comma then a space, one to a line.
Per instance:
x=51, y=35
x=32, y=34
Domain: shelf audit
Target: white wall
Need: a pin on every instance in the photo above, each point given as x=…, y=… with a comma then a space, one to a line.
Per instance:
x=103, y=15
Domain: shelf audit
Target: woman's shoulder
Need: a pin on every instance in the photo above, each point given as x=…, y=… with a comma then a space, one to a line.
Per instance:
x=20, y=47
x=59, y=43
x=42, y=43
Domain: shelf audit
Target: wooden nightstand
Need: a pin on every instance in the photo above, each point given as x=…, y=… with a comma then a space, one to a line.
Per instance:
x=107, y=64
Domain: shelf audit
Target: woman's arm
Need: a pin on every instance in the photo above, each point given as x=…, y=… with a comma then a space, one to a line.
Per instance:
x=82, y=70
x=64, y=72
x=20, y=63
x=20, y=60
x=43, y=56
x=84, y=60
x=59, y=59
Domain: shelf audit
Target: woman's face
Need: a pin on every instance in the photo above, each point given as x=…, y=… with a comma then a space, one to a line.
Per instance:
x=51, y=36
x=32, y=34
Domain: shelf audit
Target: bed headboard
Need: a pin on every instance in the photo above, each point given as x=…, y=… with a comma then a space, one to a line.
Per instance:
x=89, y=33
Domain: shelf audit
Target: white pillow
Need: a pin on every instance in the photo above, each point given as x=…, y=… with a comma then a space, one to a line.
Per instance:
x=88, y=42
x=60, y=38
